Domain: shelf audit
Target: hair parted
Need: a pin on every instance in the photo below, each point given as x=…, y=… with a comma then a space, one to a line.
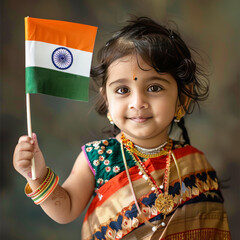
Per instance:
x=160, y=47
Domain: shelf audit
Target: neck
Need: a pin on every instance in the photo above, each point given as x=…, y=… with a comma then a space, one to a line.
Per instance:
x=146, y=142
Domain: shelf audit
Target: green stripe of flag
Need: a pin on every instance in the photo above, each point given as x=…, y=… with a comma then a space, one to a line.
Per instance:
x=56, y=83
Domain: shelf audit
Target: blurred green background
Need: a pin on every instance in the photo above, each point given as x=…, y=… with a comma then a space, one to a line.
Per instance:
x=63, y=126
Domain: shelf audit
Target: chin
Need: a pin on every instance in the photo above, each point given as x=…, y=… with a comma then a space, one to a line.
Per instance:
x=140, y=135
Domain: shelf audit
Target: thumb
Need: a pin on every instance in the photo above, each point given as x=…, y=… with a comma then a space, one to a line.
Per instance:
x=35, y=143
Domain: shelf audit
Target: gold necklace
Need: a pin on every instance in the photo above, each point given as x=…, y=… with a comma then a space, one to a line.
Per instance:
x=164, y=202
x=157, y=152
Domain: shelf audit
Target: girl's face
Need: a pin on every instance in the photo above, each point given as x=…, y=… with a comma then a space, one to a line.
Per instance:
x=144, y=108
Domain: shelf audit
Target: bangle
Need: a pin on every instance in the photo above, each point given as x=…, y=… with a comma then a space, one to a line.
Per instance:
x=28, y=190
x=44, y=190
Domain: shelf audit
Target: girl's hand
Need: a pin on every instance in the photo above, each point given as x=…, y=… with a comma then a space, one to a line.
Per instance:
x=26, y=149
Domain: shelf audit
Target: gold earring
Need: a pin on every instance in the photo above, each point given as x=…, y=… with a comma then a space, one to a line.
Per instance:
x=110, y=118
x=179, y=114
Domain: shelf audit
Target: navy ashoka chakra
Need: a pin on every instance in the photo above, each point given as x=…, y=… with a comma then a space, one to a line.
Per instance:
x=62, y=58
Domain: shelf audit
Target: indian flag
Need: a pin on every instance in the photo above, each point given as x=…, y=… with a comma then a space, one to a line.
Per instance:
x=58, y=57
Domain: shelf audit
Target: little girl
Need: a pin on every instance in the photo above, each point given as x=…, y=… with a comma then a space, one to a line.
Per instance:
x=145, y=184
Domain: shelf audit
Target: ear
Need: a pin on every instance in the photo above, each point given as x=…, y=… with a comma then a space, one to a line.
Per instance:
x=184, y=100
x=183, y=104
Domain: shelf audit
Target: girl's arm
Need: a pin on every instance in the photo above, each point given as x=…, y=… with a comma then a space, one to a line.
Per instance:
x=66, y=202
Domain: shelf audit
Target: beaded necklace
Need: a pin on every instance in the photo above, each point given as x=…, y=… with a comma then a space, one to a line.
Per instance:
x=150, y=151
x=164, y=202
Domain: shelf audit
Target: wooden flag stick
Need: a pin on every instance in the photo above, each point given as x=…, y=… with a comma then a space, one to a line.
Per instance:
x=29, y=128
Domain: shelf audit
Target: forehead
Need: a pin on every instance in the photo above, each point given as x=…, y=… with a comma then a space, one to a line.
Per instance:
x=128, y=63
x=128, y=66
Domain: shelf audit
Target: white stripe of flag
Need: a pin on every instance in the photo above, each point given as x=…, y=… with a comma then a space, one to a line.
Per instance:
x=39, y=54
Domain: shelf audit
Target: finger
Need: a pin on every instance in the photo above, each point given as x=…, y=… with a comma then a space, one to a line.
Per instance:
x=22, y=160
x=24, y=155
x=36, y=146
x=25, y=139
x=25, y=146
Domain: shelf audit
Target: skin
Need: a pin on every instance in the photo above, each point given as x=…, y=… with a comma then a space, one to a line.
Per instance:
x=143, y=109
x=68, y=201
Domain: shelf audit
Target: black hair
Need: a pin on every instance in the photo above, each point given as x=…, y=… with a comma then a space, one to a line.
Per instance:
x=161, y=48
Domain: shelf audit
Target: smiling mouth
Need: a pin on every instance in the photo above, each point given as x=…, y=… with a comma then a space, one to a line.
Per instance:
x=139, y=119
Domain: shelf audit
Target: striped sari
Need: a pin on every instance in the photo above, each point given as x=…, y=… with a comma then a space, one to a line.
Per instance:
x=113, y=214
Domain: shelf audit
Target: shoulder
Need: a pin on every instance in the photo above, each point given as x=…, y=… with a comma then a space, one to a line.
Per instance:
x=191, y=157
x=101, y=150
x=100, y=146
x=195, y=168
x=185, y=149
x=104, y=159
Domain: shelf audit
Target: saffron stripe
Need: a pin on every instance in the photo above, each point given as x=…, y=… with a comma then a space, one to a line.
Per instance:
x=68, y=34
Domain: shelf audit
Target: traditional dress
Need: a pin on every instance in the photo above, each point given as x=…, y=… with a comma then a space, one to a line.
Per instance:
x=113, y=213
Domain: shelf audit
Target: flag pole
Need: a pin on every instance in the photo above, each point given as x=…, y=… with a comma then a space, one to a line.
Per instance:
x=29, y=129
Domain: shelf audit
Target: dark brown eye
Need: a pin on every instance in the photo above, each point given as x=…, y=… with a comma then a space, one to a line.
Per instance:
x=155, y=88
x=122, y=90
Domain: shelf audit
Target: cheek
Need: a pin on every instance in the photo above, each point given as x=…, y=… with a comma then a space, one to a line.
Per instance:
x=111, y=104
x=107, y=99
x=117, y=110
x=166, y=109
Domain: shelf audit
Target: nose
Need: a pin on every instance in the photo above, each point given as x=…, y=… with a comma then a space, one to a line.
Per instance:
x=138, y=101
